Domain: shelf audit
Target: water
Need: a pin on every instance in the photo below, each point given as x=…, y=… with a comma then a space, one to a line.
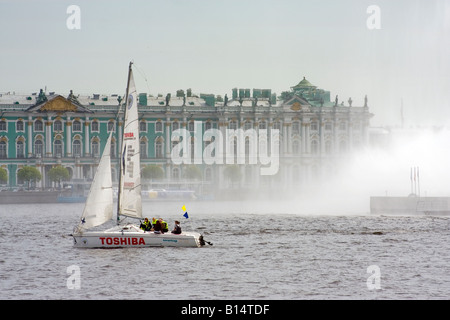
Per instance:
x=258, y=253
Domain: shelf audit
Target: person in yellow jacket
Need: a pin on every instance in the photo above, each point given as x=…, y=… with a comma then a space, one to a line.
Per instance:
x=145, y=225
x=165, y=226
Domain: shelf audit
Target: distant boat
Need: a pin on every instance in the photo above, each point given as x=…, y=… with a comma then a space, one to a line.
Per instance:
x=99, y=204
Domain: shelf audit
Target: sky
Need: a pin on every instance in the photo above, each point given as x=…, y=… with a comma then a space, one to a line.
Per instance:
x=214, y=46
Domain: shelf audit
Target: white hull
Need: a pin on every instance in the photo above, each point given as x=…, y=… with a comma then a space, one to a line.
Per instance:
x=131, y=236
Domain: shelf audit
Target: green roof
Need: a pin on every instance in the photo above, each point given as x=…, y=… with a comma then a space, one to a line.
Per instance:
x=304, y=84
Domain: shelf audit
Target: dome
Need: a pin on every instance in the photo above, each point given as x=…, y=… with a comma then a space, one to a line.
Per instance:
x=303, y=84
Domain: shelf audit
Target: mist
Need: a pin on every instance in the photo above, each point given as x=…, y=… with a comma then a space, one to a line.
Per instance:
x=377, y=170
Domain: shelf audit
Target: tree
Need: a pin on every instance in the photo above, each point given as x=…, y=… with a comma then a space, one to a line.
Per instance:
x=152, y=172
x=58, y=173
x=3, y=176
x=29, y=174
x=192, y=172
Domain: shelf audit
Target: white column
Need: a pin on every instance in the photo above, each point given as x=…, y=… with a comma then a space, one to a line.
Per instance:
x=168, y=138
x=48, y=136
x=68, y=137
x=86, y=137
x=30, y=136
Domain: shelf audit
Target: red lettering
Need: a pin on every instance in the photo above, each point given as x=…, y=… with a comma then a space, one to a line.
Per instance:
x=134, y=241
x=141, y=241
x=116, y=241
x=128, y=135
x=103, y=240
x=123, y=240
x=109, y=241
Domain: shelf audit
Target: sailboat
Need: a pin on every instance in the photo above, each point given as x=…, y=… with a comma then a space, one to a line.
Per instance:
x=98, y=208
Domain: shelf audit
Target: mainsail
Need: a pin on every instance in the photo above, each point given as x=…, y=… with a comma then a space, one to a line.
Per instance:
x=129, y=202
x=99, y=203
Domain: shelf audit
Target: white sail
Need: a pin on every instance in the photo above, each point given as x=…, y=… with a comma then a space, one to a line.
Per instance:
x=99, y=204
x=129, y=202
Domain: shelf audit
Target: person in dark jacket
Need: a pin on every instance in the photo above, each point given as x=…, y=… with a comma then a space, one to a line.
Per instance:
x=177, y=228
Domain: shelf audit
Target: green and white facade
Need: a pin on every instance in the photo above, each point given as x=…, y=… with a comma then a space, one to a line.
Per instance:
x=49, y=129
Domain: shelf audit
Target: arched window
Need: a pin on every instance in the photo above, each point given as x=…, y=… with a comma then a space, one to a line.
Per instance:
x=95, y=148
x=314, y=147
x=19, y=125
x=143, y=147
x=57, y=125
x=110, y=126
x=296, y=147
x=20, y=149
x=158, y=126
x=76, y=126
x=143, y=126
x=3, y=126
x=159, y=149
x=76, y=148
x=38, y=125
x=58, y=148
x=3, y=148
x=94, y=126
x=38, y=148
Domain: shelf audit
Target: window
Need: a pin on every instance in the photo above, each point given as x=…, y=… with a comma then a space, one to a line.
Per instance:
x=143, y=126
x=175, y=126
x=38, y=125
x=314, y=125
x=57, y=125
x=233, y=125
x=207, y=125
x=247, y=125
x=77, y=148
x=94, y=126
x=262, y=125
x=20, y=149
x=3, y=125
x=3, y=150
x=113, y=149
x=191, y=126
x=158, y=149
x=95, y=148
x=110, y=126
x=295, y=127
x=58, y=148
x=276, y=125
x=314, y=147
x=158, y=126
x=143, y=147
x=38, y=148
x=76, y=126
x=296, y=147
x=19, y=125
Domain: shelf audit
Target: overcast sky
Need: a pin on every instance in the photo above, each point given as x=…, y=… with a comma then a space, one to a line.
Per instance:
x=214, y=46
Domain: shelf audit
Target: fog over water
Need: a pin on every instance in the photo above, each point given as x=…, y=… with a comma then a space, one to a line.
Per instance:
x=375, y=171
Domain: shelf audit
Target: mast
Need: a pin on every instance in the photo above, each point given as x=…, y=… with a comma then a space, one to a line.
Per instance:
x=122, y=153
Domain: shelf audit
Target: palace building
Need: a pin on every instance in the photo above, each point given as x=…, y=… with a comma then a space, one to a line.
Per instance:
x=49, y=129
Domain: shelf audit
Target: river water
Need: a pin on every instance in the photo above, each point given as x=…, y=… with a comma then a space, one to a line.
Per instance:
x=258, y=252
